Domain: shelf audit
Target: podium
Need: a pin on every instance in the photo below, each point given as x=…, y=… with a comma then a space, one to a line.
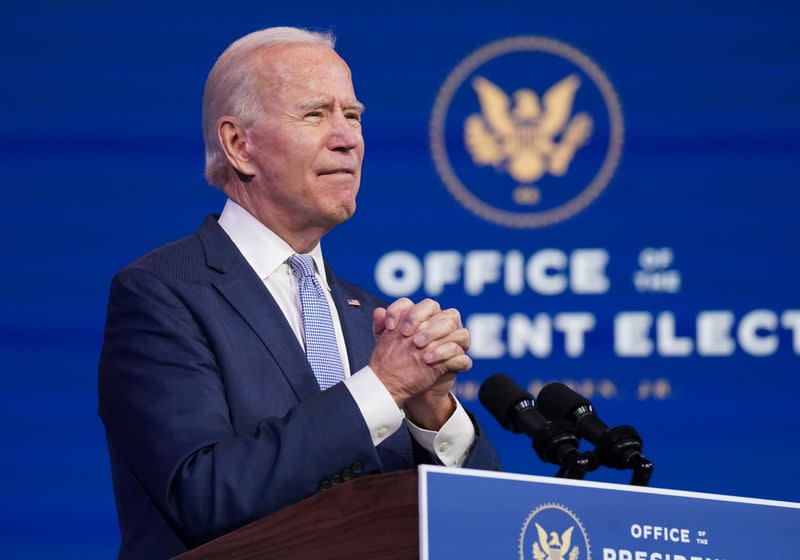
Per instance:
x=439, y=513
x=370, y=517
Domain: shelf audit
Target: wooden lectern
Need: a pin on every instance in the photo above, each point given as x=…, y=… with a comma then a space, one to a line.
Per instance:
x=371, y=517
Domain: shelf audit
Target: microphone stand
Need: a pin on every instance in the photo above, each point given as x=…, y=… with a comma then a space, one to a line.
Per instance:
x=557, y=443
x=621, y=448
x=577, y=464
x=642, y=472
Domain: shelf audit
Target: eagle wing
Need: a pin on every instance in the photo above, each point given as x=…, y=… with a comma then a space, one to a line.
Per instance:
x=566, y=540
x=482, y=145
x=558, y=105
x=576, y=134
x=543, y=539
x=494, y=106
x=537, y=552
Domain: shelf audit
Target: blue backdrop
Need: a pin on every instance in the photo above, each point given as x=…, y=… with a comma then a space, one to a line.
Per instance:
x=680, y=315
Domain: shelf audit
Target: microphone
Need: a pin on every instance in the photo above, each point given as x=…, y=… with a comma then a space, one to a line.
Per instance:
x=619, y=447
x=554, y=441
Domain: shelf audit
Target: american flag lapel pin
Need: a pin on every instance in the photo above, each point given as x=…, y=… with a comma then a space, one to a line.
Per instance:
x=354, y=302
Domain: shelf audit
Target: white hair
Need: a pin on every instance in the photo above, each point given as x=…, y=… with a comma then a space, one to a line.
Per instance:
x=232, y=87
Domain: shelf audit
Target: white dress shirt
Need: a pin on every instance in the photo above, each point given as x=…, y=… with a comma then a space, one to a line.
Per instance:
x=267, y=254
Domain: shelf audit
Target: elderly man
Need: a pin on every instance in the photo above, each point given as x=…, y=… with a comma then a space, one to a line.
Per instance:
x=238, y=374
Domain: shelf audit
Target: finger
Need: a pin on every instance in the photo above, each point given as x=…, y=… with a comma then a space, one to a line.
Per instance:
x=454, y=314
x=458, y=364
x=395, y=311
x=462, y=338
x=437, y=353
x=415, y=315
x=378, y=321
x=458, y=336
x=435, y=328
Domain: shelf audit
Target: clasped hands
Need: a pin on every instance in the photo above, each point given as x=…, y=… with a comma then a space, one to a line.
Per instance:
x=418, y=352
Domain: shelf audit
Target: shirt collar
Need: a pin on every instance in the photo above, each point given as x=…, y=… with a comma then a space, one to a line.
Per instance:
x=261, y=247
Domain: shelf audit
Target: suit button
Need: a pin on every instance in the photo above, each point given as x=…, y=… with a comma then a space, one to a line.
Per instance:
x=325, y=484
x=336, y=479
x=348, y=474
x=357, y=466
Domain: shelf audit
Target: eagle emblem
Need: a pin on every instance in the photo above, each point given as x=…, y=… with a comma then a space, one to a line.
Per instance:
x=530, y=138
x=553, y=546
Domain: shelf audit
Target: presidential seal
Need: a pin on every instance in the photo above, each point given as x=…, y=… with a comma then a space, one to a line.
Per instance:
x=526, y=132
x=553, y=532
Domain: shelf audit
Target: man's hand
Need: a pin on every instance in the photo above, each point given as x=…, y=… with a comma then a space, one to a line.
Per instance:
x=420, y=349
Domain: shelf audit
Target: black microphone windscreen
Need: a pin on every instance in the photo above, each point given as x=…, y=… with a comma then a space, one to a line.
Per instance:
x=499, y=394
x=557, y=401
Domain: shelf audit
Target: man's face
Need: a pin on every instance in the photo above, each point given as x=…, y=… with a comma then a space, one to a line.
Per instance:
x=307, y=148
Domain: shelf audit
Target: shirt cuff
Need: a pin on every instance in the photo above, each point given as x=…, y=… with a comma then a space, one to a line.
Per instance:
x=452, y=442
x=380, y=412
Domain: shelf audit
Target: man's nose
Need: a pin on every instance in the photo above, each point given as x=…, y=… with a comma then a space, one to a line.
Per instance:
x=345, y=133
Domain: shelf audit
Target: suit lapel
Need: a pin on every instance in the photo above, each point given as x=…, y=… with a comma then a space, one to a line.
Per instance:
x=245, y=291
x=356, y=321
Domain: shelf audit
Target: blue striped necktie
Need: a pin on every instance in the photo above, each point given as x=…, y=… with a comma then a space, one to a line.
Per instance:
x=321, y=348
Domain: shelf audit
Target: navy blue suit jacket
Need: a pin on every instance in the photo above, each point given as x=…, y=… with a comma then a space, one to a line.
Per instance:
x=212, y=413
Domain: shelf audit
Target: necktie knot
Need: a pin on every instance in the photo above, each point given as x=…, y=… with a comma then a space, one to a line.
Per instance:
x=302, y=265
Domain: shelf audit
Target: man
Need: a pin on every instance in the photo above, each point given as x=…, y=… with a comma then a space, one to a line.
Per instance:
x=238, y=374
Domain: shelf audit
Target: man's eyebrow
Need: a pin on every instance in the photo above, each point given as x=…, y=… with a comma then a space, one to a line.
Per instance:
x=326, y=104
x=357, y=105
x=316, y=104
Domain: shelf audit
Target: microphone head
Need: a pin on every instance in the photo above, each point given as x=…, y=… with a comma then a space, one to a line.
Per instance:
x=557, y=401
x=499, y=394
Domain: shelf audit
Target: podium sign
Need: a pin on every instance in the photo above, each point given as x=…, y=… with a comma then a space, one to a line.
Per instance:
x=468, y=514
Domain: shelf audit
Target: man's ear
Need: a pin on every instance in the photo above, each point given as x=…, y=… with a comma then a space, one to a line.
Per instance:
x=233, y=140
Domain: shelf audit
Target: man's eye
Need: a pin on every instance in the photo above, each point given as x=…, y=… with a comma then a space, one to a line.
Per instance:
x=314, y=114
x=354, y=117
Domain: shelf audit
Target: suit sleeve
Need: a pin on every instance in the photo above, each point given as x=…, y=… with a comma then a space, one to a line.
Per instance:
x=482, y=455
x=162, y=400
